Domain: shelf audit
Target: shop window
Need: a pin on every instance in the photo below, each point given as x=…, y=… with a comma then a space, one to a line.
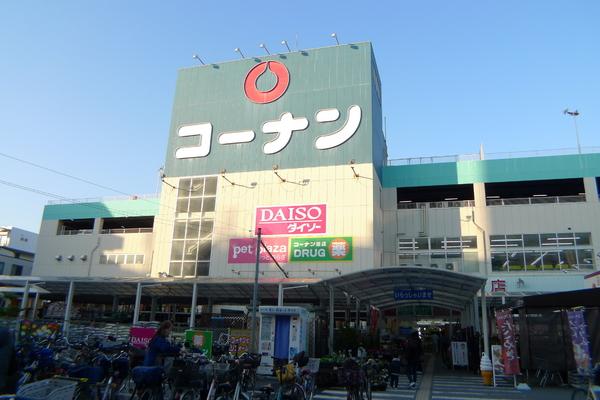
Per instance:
x=17, y=270
x=531, y=240
x=583, y=239
x=1, y=268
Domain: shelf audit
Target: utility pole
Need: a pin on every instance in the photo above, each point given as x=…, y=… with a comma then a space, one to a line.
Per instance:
x=255, y=293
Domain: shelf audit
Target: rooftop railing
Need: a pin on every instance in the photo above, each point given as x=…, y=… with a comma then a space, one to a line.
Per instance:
x=536, y=200
x=109, y=198
x=437, y=204
x=125, y=230
x=490, y=156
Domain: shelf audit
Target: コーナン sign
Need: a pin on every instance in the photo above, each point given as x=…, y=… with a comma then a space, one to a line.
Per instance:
x=321, y=249
x=292, y=220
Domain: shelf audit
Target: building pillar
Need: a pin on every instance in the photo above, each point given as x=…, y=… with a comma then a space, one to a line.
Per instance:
x=194, y=303
x=347, y=311
x=484, y=317
x=476, y=313
x=357, y=316
x=115, y=304
x=153, y=308
x=331, y=319
x=368, y=318
x=68, y=307
x=280, y=295
x=591, y=190
x=35, y=305
x=138, y=300
x=450, y=327
x=22, y=310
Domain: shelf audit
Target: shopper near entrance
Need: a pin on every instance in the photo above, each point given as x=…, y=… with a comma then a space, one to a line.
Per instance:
x=159, y=346
x=413, y=358
x=395, y=370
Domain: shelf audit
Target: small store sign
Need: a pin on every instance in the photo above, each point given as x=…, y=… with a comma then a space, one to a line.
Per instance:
x=413, y=294
x=311, y=249
x=292, y=220
x=243, y=250
x=139, y=337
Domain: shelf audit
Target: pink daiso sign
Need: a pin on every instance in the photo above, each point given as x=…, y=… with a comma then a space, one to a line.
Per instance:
x=292, y=220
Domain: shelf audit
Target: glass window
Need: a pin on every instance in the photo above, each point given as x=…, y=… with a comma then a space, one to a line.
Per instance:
x=184, y=188
x=189, y=268
x=197, y=187
x=177, y=250
x=196, y=205
x=565, y=239
x=120, y=259
x=422, y=259
x=139, y=259
x=210, y=187
x=130, y=259
x=514, y=242
x=17, y=270
x=551, y=261
x=209, y=204
x=583, y=238
x=437, y=243
x=533, y=260
x=2, y=267
x=102, y=260
x=204, y=250
x=531, y=240
x=182, y=206
x=499, y=261
x=206, y=229
x=585, y=258
x=469, y=242
x=193, y=229
x=422, y=243
x=516, y=260
x=406, y=244
x=497, y=241
x=202, y=268
x=568, y=259
x=548, y=239
x=175, y=268
x=452, y=243
x=111, y=259
x=406, y=258
x=191, y=247
x=179, y=230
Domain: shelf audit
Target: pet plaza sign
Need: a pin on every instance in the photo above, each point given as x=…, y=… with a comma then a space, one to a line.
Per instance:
x=280, y=129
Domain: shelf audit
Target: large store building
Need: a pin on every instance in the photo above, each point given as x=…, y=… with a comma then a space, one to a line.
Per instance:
x=292, y=146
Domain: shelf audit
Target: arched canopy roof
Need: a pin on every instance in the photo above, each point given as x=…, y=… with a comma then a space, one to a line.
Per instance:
x=449, y=289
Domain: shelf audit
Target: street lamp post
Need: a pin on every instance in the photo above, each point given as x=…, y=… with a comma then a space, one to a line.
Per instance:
x=574, y=114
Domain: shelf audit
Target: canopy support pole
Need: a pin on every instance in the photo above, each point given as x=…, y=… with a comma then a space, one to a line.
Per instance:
x=138, y=301
x=194, y=305
x=331, y=319
x=484, y=317
x=68, y=307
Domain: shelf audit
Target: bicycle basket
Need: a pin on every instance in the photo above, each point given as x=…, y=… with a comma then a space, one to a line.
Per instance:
x=55, y=389
x=286, y=374
x=350, y=377
x=147, y=376
x=224, y=372
x=92, y=374
x=250, y=361
x=185, y=372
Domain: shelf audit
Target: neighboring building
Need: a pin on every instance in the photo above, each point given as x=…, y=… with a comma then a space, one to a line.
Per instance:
x=17, y=251
x=303, y=157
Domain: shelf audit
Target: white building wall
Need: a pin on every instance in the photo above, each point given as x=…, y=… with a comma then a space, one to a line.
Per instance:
x=349, y=213
x=92, y=246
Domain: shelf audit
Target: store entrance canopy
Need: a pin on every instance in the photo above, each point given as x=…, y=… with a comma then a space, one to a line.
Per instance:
x=397, y=286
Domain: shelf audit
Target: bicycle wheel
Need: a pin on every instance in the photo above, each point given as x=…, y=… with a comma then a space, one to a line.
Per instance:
x=188, y=395
x=579, y=394
x=295, y=392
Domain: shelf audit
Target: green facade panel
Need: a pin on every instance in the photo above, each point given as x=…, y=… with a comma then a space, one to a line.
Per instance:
x=104, y=209
x=480, y=171
x=333, y=77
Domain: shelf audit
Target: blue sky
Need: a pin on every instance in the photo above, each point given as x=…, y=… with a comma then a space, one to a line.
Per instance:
x=87, y=87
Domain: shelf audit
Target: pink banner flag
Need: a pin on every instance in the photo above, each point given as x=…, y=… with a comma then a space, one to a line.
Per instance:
x=506, y=330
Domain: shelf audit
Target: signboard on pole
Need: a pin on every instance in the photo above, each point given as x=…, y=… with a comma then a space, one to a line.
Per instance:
x=460, y=354
x=506, y=332
x=201, y=340
x=139, y=337
x=413, y=294
x=311, y=249
x=292, y=220
x=239, y=341
x=580, y=340
x=243, y=250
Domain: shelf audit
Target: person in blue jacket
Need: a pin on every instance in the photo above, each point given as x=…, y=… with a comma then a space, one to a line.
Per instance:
x=159, y=347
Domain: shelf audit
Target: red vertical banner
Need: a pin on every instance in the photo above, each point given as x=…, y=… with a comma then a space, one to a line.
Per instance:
x=506, y=331
x=374, y=317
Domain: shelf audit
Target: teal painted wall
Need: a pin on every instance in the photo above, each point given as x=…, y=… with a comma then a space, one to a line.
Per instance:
x=507, y=170
x=105, y=209
x=332, y=77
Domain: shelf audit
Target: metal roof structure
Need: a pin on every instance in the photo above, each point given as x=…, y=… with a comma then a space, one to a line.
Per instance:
x=450, y=289
x=374, y=286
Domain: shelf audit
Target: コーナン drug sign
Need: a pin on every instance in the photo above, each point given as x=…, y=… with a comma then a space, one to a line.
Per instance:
x=302, y=219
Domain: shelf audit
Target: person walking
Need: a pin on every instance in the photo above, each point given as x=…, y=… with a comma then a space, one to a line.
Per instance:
x=413, y=358
x=395, y=369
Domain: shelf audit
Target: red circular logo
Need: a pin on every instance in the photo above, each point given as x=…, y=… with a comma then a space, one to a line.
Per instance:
x=258, y=96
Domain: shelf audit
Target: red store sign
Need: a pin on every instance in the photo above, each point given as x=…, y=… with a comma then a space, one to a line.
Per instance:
x=292, y=220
